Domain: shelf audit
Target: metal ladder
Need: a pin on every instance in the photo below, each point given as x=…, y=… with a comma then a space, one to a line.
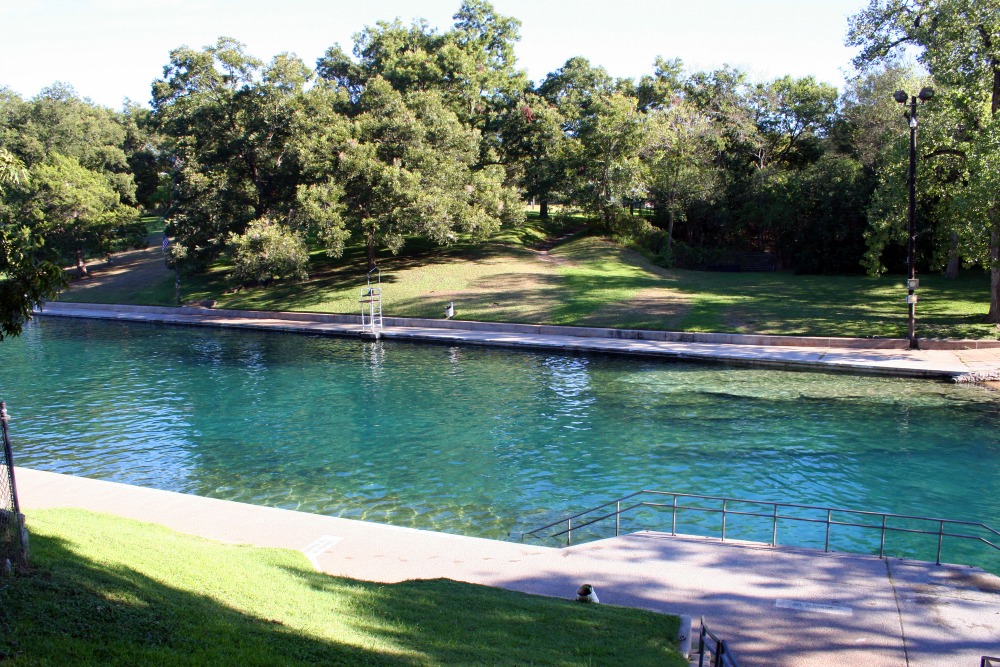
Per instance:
x=371, y=306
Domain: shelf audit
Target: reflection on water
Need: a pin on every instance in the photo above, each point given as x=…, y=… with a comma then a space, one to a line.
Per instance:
x=476, y=440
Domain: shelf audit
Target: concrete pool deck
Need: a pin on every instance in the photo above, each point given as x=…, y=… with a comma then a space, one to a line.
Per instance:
x=937, y=359
x=774, y=606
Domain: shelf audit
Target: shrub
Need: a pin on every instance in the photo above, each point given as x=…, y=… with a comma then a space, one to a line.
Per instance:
x=268, y=251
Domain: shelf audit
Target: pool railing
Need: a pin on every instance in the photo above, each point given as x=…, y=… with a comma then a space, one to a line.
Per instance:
x=773, y=512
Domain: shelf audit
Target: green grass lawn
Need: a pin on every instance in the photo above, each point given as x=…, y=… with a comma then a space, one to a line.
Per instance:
x=588, y=281
x=102, y=590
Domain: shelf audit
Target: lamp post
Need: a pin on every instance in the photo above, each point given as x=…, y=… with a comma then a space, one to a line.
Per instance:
x=912, y=283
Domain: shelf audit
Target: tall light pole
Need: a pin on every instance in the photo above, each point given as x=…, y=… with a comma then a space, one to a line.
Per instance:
x=912, y=283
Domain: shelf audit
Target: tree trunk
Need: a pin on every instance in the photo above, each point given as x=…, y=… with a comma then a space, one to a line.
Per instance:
x=670, y=232
x=953, y=259
x=994, y=314
x=370, y=250
x=543, y=208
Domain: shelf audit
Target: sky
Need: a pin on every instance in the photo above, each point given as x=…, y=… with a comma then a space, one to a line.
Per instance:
x=110, y=50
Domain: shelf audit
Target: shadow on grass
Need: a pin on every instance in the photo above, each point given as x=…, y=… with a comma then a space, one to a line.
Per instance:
x=479, y=625
x=69, y=609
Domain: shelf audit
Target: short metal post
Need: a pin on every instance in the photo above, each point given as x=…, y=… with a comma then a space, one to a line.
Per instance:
x=673, y=522
x=881, y=546
x=569, y=531
x=940, y=540
x=723, y=519
x=829, y=518
x=618, y=517
x=701, y=644
x=774, y=527
x=720, y=650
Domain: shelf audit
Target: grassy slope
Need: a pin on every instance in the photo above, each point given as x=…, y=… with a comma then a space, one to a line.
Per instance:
x=588, y=281
x=104, y=590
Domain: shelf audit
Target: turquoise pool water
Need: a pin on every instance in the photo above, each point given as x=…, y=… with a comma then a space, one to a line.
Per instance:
x=481, y=441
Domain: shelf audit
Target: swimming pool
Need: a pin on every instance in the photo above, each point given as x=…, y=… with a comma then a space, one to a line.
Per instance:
x=480, y=441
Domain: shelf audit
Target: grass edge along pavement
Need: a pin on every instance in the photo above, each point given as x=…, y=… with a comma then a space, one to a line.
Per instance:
x=584, y=281
x=106, y=590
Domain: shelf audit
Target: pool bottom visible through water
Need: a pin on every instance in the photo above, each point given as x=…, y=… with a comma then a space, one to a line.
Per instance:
x=492, y=442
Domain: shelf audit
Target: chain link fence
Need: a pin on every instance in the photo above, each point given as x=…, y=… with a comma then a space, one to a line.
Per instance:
x=13, y=536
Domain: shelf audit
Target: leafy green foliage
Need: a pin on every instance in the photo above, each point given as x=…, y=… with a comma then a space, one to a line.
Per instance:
x=791, y=115
x=609, y=174
x=680, y=154
x=420, y=134
x=78, y=211
x=403, y=164
x=66, y=193
x=24, y=281
x=958, y=41
x=227, y=121
x=58, y=121
x=535, y=148
x=12, y=170
x=266, y=251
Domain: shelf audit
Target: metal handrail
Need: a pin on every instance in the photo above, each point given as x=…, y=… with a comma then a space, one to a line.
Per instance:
x=773, y=514
x=722, y=654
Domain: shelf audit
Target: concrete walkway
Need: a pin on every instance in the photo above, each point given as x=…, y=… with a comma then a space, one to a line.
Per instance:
x=774, y=606
x=879, y=356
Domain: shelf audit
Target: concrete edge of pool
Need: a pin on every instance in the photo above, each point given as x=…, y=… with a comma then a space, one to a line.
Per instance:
x=816, y=353
x=773, y=605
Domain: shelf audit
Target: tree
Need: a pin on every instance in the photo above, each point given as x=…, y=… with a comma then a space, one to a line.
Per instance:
x=398, y=165
x=63, y=180
x=680, y=154
x=472, y=66
x=791, y=115
x=979, y=205
x=147, y=161
x=227, y=122
x=535, y=147
x=58, y=121
x=609, y=173
x=868, y=124
x=724, y=95
x=958, y=41
x=664, y=87
x=575, y=89
x=25, y=281
x=825, y=206
x=77, y=211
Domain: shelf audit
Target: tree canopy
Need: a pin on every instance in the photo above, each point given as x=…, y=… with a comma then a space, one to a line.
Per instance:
x=419, y=131
x=958, y=42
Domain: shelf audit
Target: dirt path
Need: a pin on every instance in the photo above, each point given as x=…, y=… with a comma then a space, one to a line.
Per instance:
x=127, y=272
